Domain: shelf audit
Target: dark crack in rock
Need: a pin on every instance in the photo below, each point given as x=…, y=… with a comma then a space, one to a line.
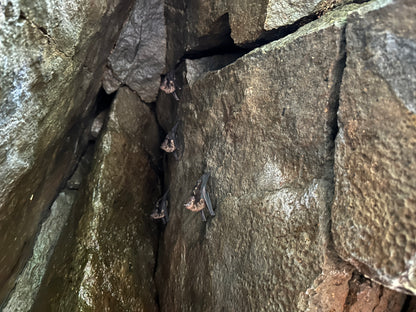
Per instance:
x=263, y=127
x=106, y=255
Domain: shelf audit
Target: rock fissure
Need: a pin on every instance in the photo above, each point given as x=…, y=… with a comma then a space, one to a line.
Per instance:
x=53, y=219
x=279, y=100
x=407, y=305
x=334, y=98
x=44, y=32
x=228, y=47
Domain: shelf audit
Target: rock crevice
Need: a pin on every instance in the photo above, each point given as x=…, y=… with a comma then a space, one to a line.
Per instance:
x=44, y=31
x=300, y=112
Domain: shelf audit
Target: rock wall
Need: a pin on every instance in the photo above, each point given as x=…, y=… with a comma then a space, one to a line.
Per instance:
x=375, y=153
x=289, y=133
x=301, y=112
x=51, y=65
x=106, y=256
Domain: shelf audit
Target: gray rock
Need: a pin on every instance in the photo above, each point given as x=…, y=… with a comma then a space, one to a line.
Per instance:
x=198, y=67
x=373, y=213
x=263, y=127
x=97, y=124
x=49, y=77
x=209, y=24
x=280, y=13
x=110, y=83
x=106, y=255
x=138, y=59
x=28, y=283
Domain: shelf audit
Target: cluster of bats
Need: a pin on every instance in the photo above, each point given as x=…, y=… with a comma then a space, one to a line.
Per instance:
x=199, y=199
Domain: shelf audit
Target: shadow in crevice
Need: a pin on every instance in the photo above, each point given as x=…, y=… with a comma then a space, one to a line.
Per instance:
x=103, y=101
x=409, y=304
x=218, y=41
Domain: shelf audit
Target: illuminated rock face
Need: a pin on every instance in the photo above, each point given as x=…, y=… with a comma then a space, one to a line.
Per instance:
x=373, y=213
x=51, y=63
x=302, y=115
x=108, y=249
x=264, y=127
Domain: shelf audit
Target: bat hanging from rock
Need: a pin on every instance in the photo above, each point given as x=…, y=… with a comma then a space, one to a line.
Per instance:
x=161, y=209
x=200, y=198
x=168, y=84
x=171, y=144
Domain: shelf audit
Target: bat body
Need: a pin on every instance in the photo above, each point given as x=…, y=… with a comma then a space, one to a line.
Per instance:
x=161, y=209
x=200, y=198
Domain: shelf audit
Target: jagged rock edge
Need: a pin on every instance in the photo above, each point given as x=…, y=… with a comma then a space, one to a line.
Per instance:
x=264, y=39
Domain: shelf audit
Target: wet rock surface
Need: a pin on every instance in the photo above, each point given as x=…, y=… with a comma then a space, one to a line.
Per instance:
x=49, y=77
x=106, y=256
x=373, y=212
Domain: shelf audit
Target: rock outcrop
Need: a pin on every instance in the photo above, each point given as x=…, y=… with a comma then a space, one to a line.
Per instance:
x=51, y=58
x=302, y=113
x=106, y=256
x=138, y=58
x=375, y=201
x=264, y=127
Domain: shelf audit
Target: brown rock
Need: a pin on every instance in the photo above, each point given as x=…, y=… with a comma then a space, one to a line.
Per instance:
x=106, y=256
x=51, y=62
x=201, y=25
x=340, y=288
x=263, y=127
x=374, y=224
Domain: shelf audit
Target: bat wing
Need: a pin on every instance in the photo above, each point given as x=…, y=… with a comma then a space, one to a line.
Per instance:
x=205, y=194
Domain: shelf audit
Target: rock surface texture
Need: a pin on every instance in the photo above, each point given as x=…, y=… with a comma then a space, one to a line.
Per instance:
x=108, y=250
x=50, y=73
x=341, y=288
x=264, y=128
x=302, y=112
x=202, y=24
x=138, y=58
x=375, y=204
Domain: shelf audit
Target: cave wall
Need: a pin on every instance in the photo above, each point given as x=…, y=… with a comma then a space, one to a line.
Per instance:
x=309, y=143
x=106, y=255
x=52, y=55
x=302, y=112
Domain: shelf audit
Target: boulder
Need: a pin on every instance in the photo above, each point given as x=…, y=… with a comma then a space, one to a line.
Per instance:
x=105, y=258
x=375, y=166
x=264, y=128
x=341, y=288
x=51, y=62
x=139, y=56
